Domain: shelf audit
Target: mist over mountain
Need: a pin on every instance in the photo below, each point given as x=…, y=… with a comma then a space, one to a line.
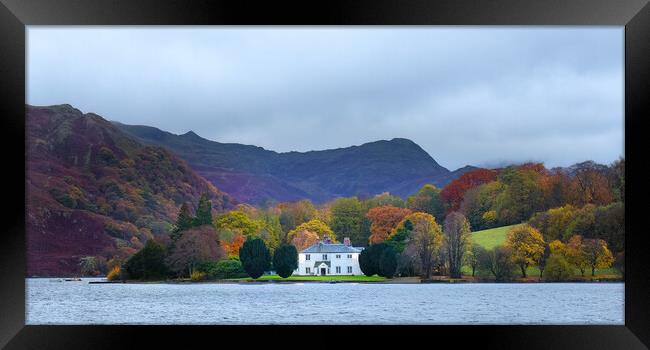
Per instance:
x=253, y=174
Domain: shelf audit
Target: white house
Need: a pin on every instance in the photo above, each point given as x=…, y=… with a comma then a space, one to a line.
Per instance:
x=325, y=258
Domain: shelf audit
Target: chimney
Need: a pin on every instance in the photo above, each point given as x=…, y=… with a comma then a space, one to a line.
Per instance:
x=327, y=239
x=346, y=241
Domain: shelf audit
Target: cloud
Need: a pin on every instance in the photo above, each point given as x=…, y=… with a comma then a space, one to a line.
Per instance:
x=467, y=95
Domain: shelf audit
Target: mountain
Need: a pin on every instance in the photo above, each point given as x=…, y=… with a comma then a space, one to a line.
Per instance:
x=253, y=174
x=93, y=190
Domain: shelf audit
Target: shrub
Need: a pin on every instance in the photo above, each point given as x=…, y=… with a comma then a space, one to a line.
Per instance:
x=231, y=268
x=197, y=276
x=114, y=273
x=557, y=268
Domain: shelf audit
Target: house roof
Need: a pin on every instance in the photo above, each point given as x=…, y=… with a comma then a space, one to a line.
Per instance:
x=331, y=248
x=317, y=263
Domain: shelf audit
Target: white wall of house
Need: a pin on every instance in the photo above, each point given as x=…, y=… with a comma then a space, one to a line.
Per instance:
x=347, y=262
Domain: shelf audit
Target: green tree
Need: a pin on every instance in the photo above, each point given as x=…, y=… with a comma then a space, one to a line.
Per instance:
x=387, y=262
x=370, y=258
x=285, y=260
x=347, y=219
x=203, y=211
x=557, y=268
x=88, y=265
x=148, y=263
x=427, y=200
x=255, y=257
x=183, y=222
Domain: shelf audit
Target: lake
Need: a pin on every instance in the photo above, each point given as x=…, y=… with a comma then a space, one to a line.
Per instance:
x=52, y=302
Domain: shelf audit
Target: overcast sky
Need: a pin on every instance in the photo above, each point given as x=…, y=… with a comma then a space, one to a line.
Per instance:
x=467, y=95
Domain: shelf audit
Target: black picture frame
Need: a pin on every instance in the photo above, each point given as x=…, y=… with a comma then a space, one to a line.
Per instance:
x=16, y=14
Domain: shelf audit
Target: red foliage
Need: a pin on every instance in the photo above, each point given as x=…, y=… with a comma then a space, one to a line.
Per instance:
x=452, y=195
x=384, y=219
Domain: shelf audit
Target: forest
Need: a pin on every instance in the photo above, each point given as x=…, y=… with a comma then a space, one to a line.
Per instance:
x=567, y=218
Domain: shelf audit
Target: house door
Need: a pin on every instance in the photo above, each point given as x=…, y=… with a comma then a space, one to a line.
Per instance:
x=322, y=271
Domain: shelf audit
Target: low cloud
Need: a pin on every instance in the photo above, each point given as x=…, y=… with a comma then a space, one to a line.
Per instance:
x=467, y=95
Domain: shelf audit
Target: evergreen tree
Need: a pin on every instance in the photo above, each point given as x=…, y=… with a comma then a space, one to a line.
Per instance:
x=183, y=222
x=285, y=260
x=203, y=212
x=255, y=257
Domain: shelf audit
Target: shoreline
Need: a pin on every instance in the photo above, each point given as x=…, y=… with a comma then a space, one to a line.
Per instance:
x=416, y=281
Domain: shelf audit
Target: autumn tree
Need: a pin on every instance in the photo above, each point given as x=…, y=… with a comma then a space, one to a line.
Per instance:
x=203, y=211
x=233, y=245
x=591, y=185
x=255, y=257
x=457, y=241
x=597, y=255
x=195, y=246
x=426, y=239
x=521, y=197
x=452, y=195
x=238, y=221
x=576, y=254
x=285, y=260
x=526, y=245
x=427, y=200
x=304, y=239
x=294, y=214
x=347, y=219
x=478, y=205
x=316, y=226
x=384, y=219
x=383, y=199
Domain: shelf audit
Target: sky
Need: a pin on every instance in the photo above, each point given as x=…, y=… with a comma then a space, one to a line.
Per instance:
x=483, y=96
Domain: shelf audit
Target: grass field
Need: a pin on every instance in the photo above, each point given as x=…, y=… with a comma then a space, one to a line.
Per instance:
x=497, y=236
x=492, y=237
x=361, y=278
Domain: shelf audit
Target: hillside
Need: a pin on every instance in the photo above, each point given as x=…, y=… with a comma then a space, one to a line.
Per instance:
x=253, y=174
x=93, y=190
x=491, y=238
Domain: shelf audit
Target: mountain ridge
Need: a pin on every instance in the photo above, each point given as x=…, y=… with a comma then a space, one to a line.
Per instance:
x=254, y=174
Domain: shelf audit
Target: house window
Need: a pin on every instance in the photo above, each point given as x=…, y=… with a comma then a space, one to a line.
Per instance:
x=338, y=256
x=338, y=269
x=349, y=256
x=307, y=257
x=324, y=256
x=307, y=270
x=349, y=269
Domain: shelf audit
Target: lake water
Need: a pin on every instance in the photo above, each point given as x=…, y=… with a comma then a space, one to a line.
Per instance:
x=51, y=302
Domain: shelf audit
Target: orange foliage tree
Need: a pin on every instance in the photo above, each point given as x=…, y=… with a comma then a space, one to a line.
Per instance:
x=303, y=239
x=384, y=219
x=452, y=195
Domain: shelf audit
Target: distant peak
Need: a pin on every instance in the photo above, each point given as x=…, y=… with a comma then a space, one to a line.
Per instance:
x=191, y=134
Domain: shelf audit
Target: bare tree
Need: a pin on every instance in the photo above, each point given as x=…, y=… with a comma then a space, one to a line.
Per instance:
x=457, y=241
